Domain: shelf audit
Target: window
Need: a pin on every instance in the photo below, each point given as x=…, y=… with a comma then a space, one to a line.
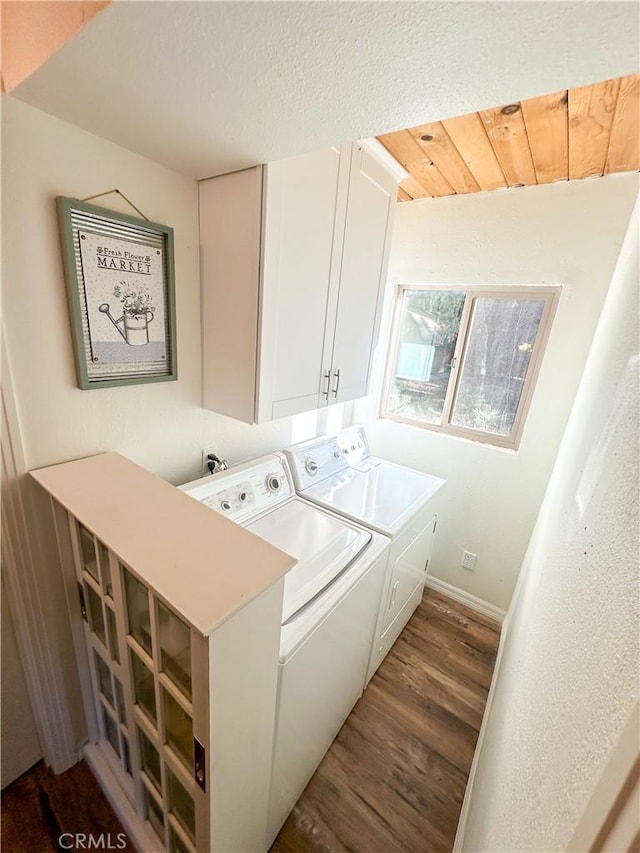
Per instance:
x=464, y=360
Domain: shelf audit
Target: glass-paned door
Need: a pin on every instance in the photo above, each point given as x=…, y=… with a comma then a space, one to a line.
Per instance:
x=159, y=654
x=103, y=637
x=140, y=662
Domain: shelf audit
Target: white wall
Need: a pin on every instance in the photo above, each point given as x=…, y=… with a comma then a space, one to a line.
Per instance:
x=569, y=672
x=160, y=426
x=565, y=233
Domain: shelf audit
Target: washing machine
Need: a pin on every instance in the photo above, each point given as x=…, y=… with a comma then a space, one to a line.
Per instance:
x=330, y=607
x=339, y=473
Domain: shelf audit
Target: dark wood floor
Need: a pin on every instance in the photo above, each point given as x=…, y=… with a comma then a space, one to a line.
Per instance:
x=395, y=776
x=39, y=807
x=393, y=779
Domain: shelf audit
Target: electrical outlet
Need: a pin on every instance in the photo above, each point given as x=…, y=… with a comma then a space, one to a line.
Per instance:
x=468, y=560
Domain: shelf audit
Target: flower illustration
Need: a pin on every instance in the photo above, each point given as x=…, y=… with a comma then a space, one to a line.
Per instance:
x=135, y=299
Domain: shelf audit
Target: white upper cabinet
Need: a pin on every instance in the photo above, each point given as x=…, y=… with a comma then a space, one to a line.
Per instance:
x=363, y=273
x=294, y=258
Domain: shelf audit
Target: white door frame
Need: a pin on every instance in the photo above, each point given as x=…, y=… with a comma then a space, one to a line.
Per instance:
x=22, y=557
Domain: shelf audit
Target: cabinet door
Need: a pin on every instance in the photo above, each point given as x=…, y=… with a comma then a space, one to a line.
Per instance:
x=230, y=211
x=368, y=226
x=302, y=201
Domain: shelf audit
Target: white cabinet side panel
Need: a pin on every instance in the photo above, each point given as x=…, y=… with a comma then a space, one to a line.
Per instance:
x=372, y=193
x=299, y=216
x=243, y=674
x=230, y=214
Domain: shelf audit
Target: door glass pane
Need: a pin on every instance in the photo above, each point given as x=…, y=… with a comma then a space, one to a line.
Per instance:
x=104, y=678
x=138, y=610
x=119, y=700
x=113, y=634
x=427, y=337
x=181, y=804
x=105, y=569
x=177, y=845
x=150, y=759
x=175, y=649
x=501, y=338
x=178, y=729
x=126, y=757
x=88, y=552
x=153, y=813
x=143, y=688
x=112, y=731
x=95, y=613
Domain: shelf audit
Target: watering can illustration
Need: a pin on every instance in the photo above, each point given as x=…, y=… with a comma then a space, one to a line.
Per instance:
x=135, y=327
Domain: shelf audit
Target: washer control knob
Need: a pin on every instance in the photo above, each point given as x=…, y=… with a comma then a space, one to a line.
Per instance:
x=311, y=467
x=225, y=505
x=242, y=496
x=337, y=454
x=273, y=483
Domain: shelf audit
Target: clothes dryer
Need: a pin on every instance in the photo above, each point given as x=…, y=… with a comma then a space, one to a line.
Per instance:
x=339, y=473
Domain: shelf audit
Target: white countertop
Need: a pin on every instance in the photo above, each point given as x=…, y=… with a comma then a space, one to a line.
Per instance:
x=204, y=565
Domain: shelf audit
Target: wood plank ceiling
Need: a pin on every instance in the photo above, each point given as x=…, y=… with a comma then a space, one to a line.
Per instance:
x=577, y=133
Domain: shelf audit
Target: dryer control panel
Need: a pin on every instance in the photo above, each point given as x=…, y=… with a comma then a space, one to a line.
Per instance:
x=245, y=491
x=315, y=460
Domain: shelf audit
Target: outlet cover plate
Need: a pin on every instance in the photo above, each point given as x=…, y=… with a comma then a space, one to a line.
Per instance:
x=468, y=560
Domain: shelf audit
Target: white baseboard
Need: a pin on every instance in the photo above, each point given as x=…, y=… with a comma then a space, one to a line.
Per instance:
x=464, y=812
x=466, y=598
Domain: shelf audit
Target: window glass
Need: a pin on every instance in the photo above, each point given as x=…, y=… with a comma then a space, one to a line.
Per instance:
x=501, y=337
x=104, y=678
x=175, y=648
x=95, y=613
x=463, y=360
x=138, y=619
x=181, y=804
x=111, y=731
x=150, y=759
x=154, y=813
x=427, y=338
x=113, y=634
x=88, y=552
x=178, y=729
x=105, y=569
x=143, y=687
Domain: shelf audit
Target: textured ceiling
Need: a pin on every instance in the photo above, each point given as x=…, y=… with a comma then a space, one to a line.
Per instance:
x=208, y=87
x=577, y=133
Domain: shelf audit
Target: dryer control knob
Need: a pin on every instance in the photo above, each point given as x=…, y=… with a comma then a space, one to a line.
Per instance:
x=337, y=454
x=225, y=505
x=311, y=467
x=273, y=483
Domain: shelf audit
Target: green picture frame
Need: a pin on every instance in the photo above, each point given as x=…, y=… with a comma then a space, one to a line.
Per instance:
x=120, y=278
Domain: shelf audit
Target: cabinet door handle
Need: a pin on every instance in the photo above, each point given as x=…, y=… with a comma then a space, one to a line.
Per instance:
x=327, y=376
x=336, y=373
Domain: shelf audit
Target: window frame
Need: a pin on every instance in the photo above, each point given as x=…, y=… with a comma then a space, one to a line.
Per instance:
x=550, y=294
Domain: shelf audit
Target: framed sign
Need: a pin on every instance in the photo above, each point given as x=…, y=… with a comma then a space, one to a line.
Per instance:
x=120, y=284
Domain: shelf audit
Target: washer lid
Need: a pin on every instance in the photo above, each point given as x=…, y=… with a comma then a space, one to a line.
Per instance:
x=380, y=494
x=324, y=546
